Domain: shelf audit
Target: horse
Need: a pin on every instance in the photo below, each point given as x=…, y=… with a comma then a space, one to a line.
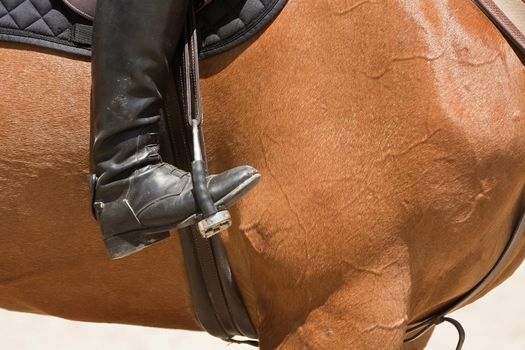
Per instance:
x=390, y=139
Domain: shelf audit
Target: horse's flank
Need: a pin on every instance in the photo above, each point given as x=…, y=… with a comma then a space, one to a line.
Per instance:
x=390, y=136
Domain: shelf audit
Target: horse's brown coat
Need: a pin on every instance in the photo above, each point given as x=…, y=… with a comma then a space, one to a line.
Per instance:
x=390, y=136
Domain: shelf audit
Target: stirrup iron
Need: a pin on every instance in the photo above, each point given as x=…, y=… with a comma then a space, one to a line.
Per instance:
x=214, y=220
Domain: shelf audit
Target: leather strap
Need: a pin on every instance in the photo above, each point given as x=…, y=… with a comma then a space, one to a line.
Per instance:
x=509, y=17
x=216, y=298
x=417, y=329
x=82, y=34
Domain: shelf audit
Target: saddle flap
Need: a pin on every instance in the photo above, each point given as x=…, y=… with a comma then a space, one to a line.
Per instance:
x=86, y=8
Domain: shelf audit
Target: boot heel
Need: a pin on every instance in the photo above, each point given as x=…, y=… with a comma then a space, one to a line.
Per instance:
x=122, y=245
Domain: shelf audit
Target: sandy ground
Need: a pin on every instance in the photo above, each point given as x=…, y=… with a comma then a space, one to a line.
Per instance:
x=495, y=322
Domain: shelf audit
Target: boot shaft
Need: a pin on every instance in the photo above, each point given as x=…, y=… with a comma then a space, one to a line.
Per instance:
x=134, y=43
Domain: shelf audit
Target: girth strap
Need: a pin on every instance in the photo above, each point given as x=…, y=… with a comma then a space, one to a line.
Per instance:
x=415, y=330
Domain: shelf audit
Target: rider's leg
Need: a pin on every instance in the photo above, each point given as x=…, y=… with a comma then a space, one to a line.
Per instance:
x=137, y=196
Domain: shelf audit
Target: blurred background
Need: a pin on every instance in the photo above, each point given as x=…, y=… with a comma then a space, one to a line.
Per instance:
x=495, y=322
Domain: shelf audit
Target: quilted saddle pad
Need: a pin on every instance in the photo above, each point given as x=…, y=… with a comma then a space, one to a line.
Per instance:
x=52, y=24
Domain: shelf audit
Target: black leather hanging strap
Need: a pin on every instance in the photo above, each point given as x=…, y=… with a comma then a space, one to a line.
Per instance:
x=417, y=329
x=216, y=298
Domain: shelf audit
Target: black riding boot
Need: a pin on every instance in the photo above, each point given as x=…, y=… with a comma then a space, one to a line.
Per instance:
x=138, y=197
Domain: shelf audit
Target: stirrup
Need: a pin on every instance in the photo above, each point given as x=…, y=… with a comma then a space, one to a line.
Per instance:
x=214, y=221
x=214, y=224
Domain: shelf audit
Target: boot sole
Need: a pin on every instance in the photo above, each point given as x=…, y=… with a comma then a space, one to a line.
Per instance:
x=127, y=243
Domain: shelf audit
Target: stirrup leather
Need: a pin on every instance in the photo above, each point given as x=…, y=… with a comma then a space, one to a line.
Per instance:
x=214, y=221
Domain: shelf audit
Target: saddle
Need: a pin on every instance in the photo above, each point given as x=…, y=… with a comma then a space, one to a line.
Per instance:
x=86, y=8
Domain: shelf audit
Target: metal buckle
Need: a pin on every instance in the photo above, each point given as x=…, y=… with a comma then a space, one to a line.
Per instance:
x=214, y=224
x=92, y=182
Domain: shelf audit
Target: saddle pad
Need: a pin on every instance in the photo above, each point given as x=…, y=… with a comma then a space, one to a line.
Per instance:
x=222, y=25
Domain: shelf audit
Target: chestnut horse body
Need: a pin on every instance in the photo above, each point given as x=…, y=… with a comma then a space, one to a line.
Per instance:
x=390, y=136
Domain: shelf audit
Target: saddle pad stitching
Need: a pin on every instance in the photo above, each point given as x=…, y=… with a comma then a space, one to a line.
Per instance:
x=42, y=16
x=240, y=34
x=8, y=13
x=60, y=46
x=236, y=9
x=44, y=19
x=20, y=32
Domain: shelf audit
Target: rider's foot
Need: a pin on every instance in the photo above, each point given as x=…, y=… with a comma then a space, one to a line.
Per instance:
x=137, y=197
x=156, y=199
